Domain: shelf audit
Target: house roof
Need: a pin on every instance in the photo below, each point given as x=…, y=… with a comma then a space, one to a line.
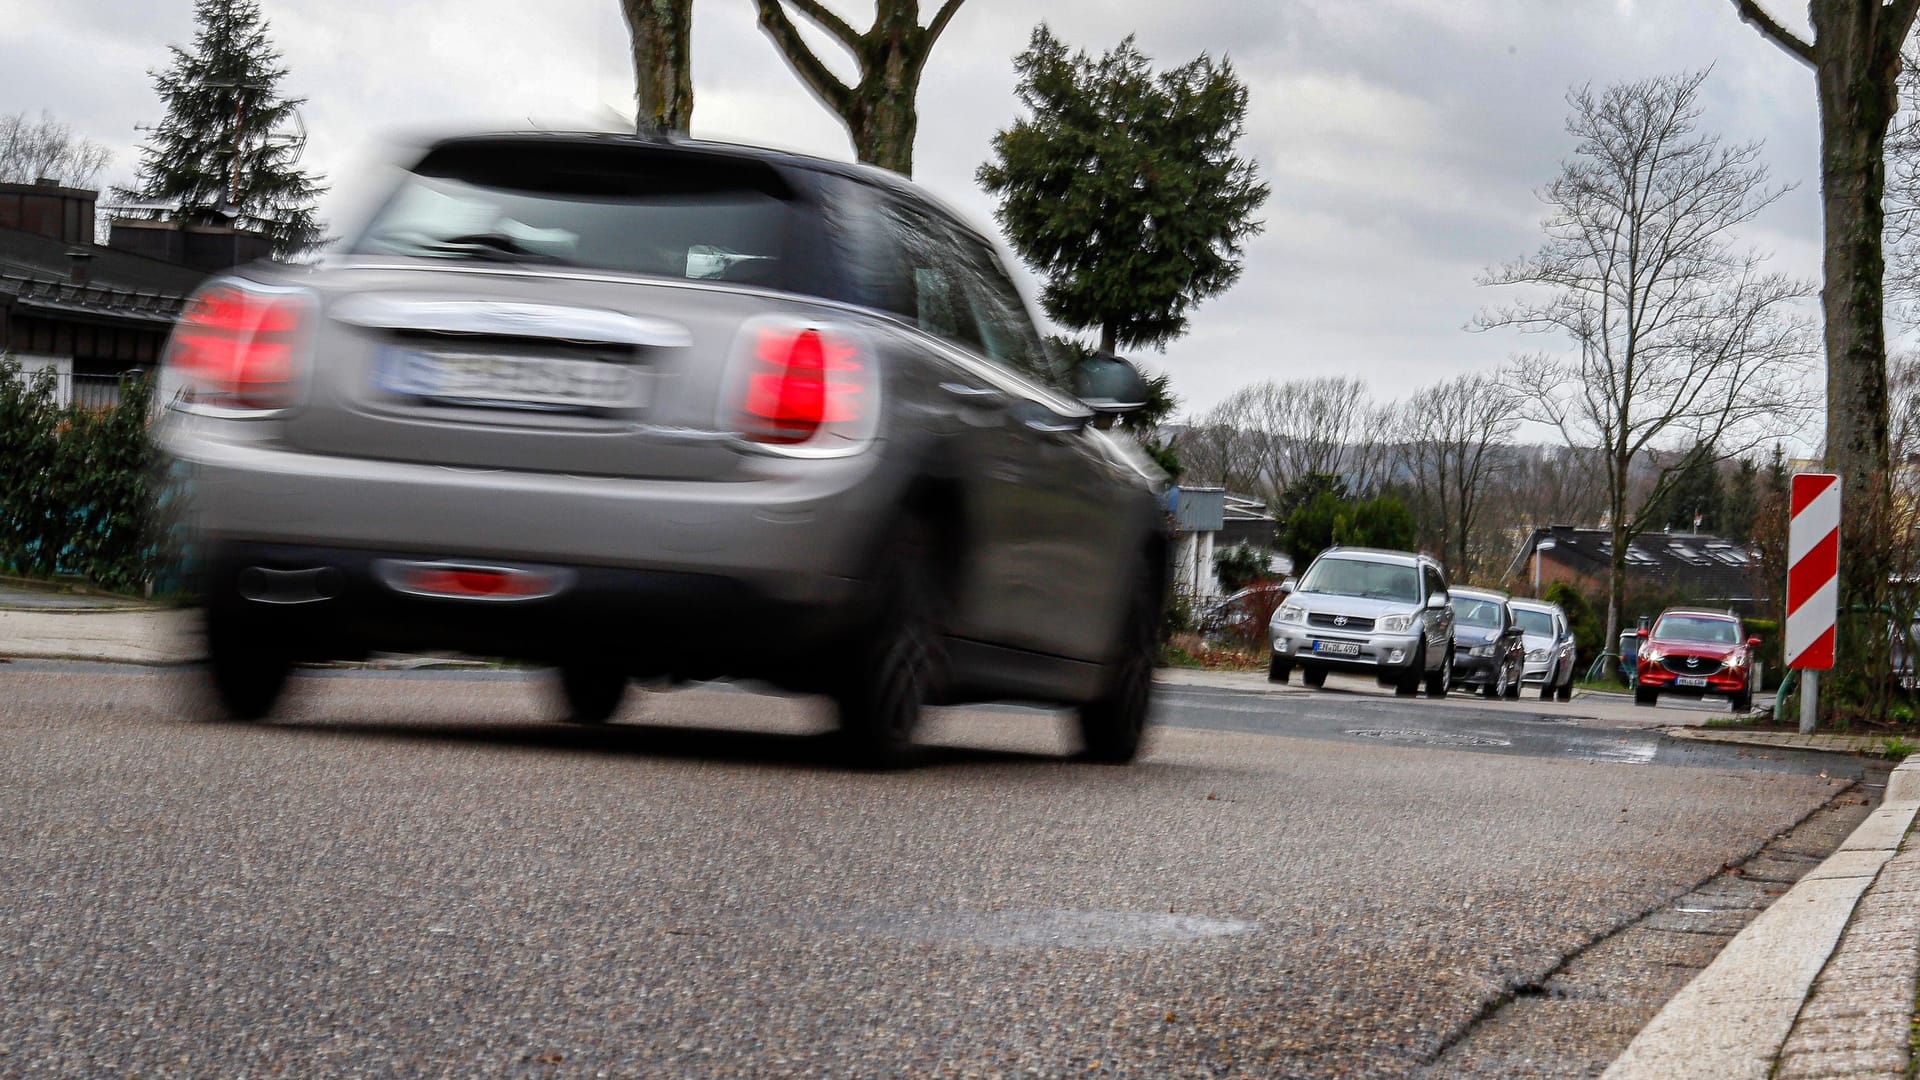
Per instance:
x=1707, y=566
x=36, y=275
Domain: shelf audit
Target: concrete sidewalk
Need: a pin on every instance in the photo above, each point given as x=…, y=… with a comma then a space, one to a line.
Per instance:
x=1821, y=984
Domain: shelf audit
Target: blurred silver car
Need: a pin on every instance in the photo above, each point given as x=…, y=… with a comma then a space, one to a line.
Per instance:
x=1550, y=648
x=636, y=407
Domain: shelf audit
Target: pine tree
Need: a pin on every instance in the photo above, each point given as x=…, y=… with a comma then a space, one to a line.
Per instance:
x=1121, y=187
x=224, y=152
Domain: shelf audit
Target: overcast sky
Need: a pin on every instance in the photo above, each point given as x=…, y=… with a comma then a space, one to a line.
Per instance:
x=1403, y=139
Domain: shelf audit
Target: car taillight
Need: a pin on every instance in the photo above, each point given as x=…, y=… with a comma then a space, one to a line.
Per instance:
x=234, y=348
x=801, y=381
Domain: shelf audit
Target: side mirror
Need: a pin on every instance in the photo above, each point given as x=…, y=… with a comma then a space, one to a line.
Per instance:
x=1643, y=632
x=1754, y=641
x=1108, y=384
x=1437, y=600
x=1290, y=585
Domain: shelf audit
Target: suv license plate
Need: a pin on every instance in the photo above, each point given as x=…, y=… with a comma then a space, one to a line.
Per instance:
x=1690, y=680
x=504, y=381
x=1336, y=648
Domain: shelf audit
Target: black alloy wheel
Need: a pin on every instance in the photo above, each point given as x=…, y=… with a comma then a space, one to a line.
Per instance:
x=1409, y=683
x=1278, y=670
x=1114, y=726
x=590, y=691
x=245, y=671
x=897, y=657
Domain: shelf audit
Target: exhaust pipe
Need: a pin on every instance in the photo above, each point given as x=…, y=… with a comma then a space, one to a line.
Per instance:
x=268, y=586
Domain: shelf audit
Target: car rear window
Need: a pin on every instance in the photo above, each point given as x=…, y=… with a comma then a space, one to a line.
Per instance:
x=612, y=207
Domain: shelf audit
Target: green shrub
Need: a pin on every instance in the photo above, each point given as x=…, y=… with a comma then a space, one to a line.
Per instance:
x=77, y=487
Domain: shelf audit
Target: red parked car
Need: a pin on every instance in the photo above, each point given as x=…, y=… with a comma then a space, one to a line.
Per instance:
x=1695, y=652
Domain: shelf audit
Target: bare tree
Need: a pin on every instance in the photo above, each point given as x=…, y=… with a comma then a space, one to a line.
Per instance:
x=33, y=150
x=661, y=32
x=1552, y=485
x=879, y=110
x=1452, y=439
x=1855, y=57
x=1677, y=338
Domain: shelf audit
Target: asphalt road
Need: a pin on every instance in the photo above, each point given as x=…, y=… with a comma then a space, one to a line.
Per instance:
x=421, y=875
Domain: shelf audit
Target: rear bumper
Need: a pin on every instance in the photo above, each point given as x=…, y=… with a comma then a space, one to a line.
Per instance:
x=320, y=603
x=791, y=530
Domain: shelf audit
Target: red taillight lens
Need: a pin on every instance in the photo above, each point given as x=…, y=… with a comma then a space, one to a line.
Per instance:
x=800, y=379
x=234, y=348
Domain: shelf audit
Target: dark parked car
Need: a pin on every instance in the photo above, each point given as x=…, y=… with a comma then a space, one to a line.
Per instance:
x=1243, y=615
x=1696, y=652
x=1490, y=649
x=652, y=408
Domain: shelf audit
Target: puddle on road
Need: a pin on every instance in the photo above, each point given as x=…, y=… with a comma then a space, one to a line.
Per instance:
x=1447, y=738
x=1049, y=929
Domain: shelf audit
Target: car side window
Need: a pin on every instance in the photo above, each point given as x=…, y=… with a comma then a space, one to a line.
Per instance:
x=1006, y=332
x=917, y=272
x=1430, y=582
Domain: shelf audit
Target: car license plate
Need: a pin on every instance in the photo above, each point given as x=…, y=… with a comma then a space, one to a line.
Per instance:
x=507, y=381
x=1690, y=680
x=1336, y=648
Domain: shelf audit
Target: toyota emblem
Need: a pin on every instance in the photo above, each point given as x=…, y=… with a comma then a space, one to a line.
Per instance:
x=1339, y=620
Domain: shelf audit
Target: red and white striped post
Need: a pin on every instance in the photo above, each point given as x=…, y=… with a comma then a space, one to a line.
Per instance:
x=1813, y=583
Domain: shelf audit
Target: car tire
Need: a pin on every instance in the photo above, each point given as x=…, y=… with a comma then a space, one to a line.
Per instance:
x=246, y=673
x=1645, y=695
x=1546, y=687
x=591, y=692
x=1315, y=677
x=1114, y=725
x=1409, y=682
x=1441, y=681
x=896, y=657
x=1278, y=670
x=1743, y=701
x=1496, y=684
x=1513, y=685
x=1565, y=692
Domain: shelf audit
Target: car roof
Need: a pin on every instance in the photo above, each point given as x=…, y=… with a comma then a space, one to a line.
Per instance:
x=1698, y=612
x=1477, y=594
x=1376, y=554
x=1533, y=605
x=871, y=175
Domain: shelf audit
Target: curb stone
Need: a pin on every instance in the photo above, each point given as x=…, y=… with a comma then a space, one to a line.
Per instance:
x=1750, y=1010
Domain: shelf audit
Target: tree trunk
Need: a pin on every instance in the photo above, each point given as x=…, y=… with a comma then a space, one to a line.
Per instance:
x=882, y=123
x=1857, y=76
x=661, y=32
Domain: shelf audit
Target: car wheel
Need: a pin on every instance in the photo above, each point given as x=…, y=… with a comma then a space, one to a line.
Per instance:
x=1113, y=726
x=246, y=672
x=1565, y=692
x=1546, y=687
x=1409, y=683
x=896, y=657
x=1645, y=695
x=1278, y=670
x=1743, y=701
x=1314, y=676
x=591, y=692
x=1496, y=686
x=1513, y=685
x=1441, y=681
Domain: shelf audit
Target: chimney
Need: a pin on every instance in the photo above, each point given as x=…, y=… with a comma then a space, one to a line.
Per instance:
x=79, y=265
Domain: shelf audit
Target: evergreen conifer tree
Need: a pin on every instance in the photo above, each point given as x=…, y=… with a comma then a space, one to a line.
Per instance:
x=225, y=151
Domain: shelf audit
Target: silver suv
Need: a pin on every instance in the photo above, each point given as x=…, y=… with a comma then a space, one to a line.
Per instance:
x=669, y=410
x=1384, y=613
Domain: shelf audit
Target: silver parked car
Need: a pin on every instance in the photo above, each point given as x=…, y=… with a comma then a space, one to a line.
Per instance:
x=653, y=408
x=1382, y=613
x=1550, y=647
